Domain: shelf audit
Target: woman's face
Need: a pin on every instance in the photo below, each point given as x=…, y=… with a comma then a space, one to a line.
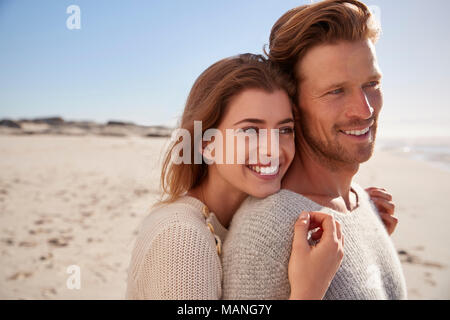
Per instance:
x=246, y=114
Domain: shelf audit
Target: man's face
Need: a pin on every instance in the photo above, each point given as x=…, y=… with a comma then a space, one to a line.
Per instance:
x=340, y=98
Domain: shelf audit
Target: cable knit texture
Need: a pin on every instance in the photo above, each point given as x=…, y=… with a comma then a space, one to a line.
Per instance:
x=256, y=254
x=175, y=255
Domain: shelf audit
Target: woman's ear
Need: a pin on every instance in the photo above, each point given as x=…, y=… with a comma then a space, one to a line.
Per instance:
x=205, y=150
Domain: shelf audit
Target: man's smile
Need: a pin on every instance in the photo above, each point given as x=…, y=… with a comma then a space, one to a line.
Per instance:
x=359, y=134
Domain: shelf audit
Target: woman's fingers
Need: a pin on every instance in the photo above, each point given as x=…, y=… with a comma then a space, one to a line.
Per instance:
x=311, y=270
x=326, y=222
x=301, y=229
x=386, y=217
x=369, y=189
x=326, y=225
x=338, y=230
x=389, y=221
x=313, y=224
x=386, y=208
x=383, y=205
x=316, y=235
x=378, y=192
x=381, y=194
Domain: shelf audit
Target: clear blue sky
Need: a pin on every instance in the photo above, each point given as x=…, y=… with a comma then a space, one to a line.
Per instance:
x=136, y=60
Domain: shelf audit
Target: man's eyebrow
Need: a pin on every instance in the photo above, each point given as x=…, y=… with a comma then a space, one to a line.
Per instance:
x=375, y=76
x=254, y=120
x=334, y=85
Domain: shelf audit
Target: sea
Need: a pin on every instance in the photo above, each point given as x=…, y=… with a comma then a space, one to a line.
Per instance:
x=433, y=150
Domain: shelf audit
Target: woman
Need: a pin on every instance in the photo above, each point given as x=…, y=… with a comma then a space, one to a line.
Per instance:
x=177, y=252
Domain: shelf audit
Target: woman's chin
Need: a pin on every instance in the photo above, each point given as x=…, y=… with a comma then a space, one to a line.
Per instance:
x=263, y=192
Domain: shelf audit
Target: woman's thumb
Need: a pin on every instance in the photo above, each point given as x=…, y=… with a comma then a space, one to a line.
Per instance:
x=301, y=228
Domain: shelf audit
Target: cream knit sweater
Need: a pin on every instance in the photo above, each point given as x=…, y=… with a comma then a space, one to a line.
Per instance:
x=256, y=254
x=175, y=255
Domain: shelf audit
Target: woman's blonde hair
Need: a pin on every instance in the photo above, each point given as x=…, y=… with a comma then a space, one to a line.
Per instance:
x=206, y=102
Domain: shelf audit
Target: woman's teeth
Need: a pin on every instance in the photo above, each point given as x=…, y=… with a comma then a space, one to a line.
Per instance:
x=358, y=132
x=264, y=170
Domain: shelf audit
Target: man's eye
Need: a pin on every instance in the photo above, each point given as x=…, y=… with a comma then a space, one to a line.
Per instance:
x=336, y=91
x=373, y=84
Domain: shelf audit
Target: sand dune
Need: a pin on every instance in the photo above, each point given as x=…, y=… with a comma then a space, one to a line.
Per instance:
x=78, y=200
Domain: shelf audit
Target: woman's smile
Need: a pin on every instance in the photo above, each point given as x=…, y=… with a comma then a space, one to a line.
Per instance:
x=266, y=172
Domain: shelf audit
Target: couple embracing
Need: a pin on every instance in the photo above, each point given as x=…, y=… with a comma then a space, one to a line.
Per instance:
x=297, y=226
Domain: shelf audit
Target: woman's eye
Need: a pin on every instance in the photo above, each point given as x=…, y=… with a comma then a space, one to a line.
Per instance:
x=249, y=130
x=287, y=130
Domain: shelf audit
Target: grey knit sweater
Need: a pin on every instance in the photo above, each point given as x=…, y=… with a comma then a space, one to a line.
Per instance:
x=257, y=250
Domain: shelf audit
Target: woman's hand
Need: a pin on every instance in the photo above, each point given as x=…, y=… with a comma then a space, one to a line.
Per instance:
x=311, y=268
x=383, y=201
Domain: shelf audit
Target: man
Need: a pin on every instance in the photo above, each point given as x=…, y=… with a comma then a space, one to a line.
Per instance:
x=328, y=48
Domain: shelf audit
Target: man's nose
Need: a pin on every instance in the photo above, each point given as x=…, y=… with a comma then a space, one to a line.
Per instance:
x=359, y=106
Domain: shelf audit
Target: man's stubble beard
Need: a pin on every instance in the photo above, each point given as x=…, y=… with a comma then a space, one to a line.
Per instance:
x=334, y=155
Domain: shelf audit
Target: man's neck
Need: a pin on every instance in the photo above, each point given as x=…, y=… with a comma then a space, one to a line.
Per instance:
x=328, y=184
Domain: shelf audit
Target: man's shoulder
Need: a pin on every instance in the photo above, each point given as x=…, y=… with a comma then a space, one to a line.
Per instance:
x=362, y=194
x=364, y=199
x=283, y=200
x=262, y=228
x=281, y=207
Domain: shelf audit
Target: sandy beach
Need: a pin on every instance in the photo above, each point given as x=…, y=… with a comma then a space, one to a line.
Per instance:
x=79, y=200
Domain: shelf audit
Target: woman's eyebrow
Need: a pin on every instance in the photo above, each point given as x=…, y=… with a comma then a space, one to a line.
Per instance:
x=287, y=120
x=254, y=120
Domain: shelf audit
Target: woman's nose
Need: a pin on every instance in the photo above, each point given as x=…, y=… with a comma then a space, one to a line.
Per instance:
x=268, y=145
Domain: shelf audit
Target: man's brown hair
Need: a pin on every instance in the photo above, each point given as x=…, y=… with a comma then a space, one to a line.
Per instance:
x=329, y=21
